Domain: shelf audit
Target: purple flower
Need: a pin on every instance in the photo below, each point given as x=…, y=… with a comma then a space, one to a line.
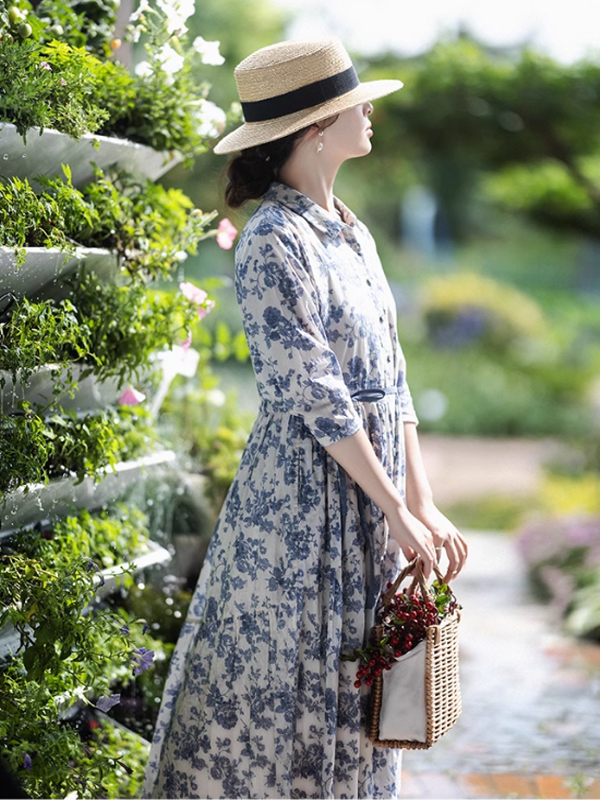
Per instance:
x=105, y=703
x=27, y=762
x=142, y=659
x=124, y=629
x=91, y=565
x=146, y=628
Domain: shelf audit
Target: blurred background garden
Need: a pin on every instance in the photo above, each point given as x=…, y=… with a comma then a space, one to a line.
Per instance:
x=483, y=194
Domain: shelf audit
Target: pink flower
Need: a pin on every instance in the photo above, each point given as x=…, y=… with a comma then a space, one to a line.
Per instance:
x=226, y=233
x=185, y=346
x=206, y=308
x=63, y=82
x=193, y=293
x=45, y=65
x=131, y=397
x=197, y=296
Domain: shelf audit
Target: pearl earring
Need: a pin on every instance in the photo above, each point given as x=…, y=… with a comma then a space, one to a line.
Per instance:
x=320, y=145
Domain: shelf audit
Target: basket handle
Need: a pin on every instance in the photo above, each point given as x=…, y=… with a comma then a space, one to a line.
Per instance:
x=417, y=565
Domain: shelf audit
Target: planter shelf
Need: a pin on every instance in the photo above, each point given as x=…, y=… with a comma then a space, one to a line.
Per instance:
x=91, y=394
x=156, y=556
x=64, y=496
x=44, y=153
x=44, y=273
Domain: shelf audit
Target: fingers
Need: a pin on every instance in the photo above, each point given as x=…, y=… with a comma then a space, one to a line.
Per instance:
x=456, y=550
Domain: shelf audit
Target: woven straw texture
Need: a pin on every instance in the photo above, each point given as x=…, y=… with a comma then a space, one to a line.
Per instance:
x=287, y=66
x=442, y=687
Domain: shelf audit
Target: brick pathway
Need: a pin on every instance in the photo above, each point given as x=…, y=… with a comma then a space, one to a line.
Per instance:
x=530, y=726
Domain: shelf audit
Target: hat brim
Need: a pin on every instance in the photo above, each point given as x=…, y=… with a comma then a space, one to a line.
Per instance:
x=251, y=134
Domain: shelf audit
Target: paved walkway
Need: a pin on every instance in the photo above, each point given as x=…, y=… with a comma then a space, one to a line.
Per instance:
x=530, y=726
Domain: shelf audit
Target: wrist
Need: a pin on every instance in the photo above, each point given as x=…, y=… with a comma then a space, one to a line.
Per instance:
x=418, y=497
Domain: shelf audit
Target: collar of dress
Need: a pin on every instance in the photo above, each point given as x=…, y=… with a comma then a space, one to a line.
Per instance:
x=312, y=212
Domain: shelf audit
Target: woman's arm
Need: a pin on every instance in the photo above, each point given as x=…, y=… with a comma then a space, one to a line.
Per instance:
x=355, y=454
x=419, y=499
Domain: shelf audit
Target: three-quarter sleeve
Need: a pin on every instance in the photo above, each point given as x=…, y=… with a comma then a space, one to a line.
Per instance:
x=407, y=408
x=297, y=372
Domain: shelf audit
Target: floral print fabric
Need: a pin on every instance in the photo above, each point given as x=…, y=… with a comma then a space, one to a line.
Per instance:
x=258, y=702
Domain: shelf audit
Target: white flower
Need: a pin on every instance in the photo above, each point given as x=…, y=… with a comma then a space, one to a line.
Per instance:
x=209, y=51
x=216, y=398
x=176, y=13
x=211, y=119
x=169, y=59
x=143, y=69
x=143, y=8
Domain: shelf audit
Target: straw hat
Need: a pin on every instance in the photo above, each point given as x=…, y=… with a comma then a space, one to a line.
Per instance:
x=291, y=85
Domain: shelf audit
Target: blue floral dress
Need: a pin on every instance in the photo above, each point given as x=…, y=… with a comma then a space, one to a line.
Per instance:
x=258, y=702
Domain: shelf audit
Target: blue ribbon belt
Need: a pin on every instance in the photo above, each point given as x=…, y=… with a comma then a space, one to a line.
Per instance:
x=372, y=395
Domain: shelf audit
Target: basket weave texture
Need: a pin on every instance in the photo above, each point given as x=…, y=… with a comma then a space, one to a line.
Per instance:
x=442, y=686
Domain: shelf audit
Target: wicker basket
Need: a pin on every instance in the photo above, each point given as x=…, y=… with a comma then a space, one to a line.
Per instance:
x=442, y=697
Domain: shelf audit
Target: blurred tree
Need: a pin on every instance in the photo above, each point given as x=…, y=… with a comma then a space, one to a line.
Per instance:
x=527, y=123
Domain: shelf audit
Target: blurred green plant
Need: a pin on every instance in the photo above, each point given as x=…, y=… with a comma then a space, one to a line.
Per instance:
x=518, y=118
x=486, y=360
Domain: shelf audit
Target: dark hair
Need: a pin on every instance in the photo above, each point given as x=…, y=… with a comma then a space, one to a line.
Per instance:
x=250, y=174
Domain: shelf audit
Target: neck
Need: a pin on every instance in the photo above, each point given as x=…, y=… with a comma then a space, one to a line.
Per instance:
x=311, y=173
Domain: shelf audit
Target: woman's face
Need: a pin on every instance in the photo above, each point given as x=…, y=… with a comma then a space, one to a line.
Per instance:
x=350, y=135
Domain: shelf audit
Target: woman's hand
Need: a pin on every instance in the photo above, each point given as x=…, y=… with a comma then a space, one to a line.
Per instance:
x=446, y=538
x=413, y=537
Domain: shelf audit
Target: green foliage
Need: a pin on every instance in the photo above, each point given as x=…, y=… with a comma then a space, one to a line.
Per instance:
x=241, y=26
x=149, y=227
x=58, y=77
x=53, y=86
x=33, y=450
x=547, y=192
x=499, y=315
x=71, y=651
x=79, y=23
x=45, y=220
x=114, y=329
x=493, y=397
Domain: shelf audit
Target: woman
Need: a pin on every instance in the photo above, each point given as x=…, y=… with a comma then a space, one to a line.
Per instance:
x=331, y=484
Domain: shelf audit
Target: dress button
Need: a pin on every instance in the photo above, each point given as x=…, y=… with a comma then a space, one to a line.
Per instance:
x=368, y=281
x=389, y=358
x=381, y=319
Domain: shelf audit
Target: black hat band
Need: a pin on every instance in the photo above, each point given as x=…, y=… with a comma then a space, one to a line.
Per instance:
x=300, y=99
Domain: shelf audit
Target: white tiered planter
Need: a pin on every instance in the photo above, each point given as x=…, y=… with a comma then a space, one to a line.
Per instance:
x=46, y=271
x=63, y=496
x=91, y=394
x=43, y=154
